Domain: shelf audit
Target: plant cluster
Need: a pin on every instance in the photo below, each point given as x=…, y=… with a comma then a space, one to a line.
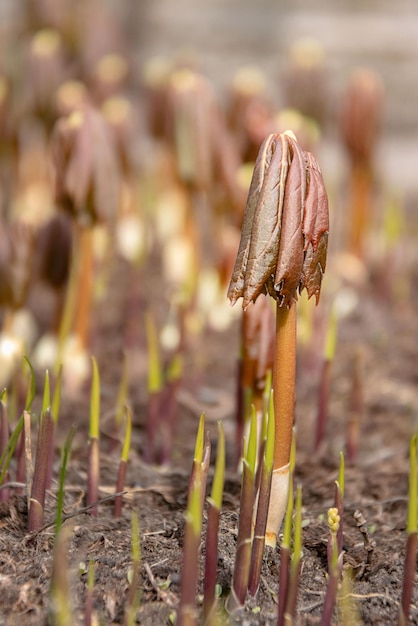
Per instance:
x=107, y=175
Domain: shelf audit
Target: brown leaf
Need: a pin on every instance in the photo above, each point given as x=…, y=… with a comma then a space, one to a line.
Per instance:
x=290, y=254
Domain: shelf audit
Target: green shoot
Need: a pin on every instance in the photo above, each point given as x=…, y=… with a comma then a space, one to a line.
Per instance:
x=4, y=438
x=242, y=565
x=93, y=453
x=133, y=593
x=60, y=613
x=323, y=401
x=335, y=547
x=40, y=475
x=187, y=612
x=31, y=392
x=263, y=503
x=123, y=462
x=154, y=362
x=46, y=400
x=215, y=504
x=122, y=393
x=65, y=455
x=412, y=531
x=155, y=382
x=56, y=398
x=285, y=548
x=292, y=591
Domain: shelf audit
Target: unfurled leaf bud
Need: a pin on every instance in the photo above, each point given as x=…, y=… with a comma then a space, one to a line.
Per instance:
x=285, y=231
x=86, y=167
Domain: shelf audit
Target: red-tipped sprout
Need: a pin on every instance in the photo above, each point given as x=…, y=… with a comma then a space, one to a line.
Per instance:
x=283, y=250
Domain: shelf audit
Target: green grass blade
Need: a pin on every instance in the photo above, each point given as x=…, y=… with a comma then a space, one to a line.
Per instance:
x=122, y=392
x=297, y=534
x=341, y=475
x=128, y=431
x=10, y=448
x=251, y=453
x=219, y=475
x=32, y=386
x=269, y=451
x=331, y=335
x=46, y=399
x=200, y=440
x=56, y=398
x=95, y=402
x=154, y=363
x=413, y=487
x=65, y=455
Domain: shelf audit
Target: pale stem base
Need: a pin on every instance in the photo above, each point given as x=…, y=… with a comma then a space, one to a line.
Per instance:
x=278, y=503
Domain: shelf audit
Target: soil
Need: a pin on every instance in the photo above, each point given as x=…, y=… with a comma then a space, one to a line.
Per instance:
x=377, y=342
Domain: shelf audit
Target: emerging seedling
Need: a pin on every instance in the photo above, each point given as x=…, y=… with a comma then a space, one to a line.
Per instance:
x=187, y=611
x=329, y=352
x=123, y=462
x=60, y=610
x=412, y=531
x=242, y=565
x=40, y=475
x=283, y=250
x=285, y=548
x=214, y=509
x=262, y=503
x=93, y=455
x=335, y=547
x=133, y=594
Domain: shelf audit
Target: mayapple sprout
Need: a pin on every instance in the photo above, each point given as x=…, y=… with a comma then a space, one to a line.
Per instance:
x=282, y=251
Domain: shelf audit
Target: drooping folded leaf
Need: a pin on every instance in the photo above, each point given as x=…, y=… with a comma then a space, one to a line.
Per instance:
x=257, y=252
x=315, y=230
x=290, y=253
x=285, y=231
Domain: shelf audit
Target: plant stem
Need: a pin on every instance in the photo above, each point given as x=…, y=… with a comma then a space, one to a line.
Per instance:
x=85, y=275
x=283, y=382
x=40, y=475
